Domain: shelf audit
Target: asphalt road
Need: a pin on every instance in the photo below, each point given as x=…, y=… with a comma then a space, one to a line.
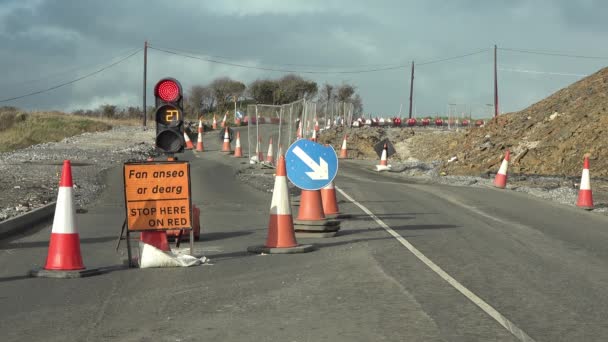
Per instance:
x=538, y=264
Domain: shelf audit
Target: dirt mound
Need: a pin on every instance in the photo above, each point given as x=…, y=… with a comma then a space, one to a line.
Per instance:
x=548, y=138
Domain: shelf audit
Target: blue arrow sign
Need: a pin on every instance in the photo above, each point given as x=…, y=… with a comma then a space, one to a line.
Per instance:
x=311, y=166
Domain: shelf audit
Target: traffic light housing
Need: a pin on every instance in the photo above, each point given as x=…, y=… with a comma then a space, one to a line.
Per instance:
x=169, y=116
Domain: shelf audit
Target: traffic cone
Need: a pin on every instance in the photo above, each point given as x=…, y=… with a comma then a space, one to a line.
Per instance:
x=189, y=145
x=269, y=155
x=238, y=151
x=299, y=133
x=64, y=247
x=156, y=239
x=585, y=197
x=383, y=158
x=316, y=125
x=311, y=207
x=343, y=150
x=329, y=200
x=280, y=152
x=214, y=126
x=226, y=145
x=258, y=150
x=501, y=177
x=199, y=142
x=281, y=236
x=314, y=136
x=224, y=121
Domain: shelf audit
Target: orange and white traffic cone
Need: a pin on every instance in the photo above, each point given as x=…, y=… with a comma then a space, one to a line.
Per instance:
x=189, y=144
x=383, y=166
x=299, y=133
x=238, y=150
x=224, y=121
x=281, y=236
x=258, y=150
x=226, y=145
x=343, y=150
x=314, y=136
x=329, y=200
x=214, y=125
x=269, y=155
x=501, y=177
x=64, y=247
x=311, y=207
x=585, y=196
x=199, y=141
x=316, y=125
x=280, y=151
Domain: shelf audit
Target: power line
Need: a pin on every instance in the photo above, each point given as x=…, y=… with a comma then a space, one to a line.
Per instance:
x=549, y=53
x=452, y=58
x=210, y=60
x=67, y=71
x=232, y=59
x=542, y=72
x=240, y=65
x=74, y=80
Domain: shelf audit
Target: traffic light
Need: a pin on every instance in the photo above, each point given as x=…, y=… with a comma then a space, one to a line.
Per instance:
x=169, y=116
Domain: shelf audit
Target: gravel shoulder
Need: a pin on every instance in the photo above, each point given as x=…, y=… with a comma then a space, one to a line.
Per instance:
x=31, y=175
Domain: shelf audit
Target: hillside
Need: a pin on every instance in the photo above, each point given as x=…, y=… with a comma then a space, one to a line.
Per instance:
x=550, y=137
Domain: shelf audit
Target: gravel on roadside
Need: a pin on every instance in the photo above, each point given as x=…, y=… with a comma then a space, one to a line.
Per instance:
x=31, y=175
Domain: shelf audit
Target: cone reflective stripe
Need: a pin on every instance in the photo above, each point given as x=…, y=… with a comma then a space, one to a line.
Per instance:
x=238, y=150
x=280, y=226
x=383, y=158
x=189, y=145
x=226, y=144
x=585, y=196
x=258, y=150
x=343, y=150
x=501, y=177
x=214, y=126
x=269, y=155
x=330, y=202
x=64, y=246
x=199, y=141
x=224, y=121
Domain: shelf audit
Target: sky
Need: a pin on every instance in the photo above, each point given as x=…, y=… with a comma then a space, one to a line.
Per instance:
x=47, y=43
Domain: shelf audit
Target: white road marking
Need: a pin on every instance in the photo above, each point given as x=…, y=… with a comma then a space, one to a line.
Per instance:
x=487, y=308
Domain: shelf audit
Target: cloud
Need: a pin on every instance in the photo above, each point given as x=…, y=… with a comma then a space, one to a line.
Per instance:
x=42, y=38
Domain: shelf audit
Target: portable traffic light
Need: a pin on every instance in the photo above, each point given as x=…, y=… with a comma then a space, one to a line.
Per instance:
x=169, y=116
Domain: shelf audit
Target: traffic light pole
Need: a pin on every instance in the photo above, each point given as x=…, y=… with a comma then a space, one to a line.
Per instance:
x=145, y=76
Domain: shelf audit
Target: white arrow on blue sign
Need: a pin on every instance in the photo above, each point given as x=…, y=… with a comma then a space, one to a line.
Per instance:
x=311, y=166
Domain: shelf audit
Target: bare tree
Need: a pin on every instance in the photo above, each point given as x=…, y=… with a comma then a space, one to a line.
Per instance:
x=199, y=99
x=224, y=89
x=263, y=91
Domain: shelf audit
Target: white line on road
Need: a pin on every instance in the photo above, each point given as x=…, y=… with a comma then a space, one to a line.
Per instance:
x=487, y=308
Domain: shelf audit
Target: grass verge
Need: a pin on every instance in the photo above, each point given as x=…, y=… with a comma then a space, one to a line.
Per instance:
x=20, y=129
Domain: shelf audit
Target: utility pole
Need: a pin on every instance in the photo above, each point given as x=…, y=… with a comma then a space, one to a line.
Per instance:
x=411, y=89
x=145, y=76
x=495, y=84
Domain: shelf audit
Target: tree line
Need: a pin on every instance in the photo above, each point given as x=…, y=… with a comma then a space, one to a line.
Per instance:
x=219, y=95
